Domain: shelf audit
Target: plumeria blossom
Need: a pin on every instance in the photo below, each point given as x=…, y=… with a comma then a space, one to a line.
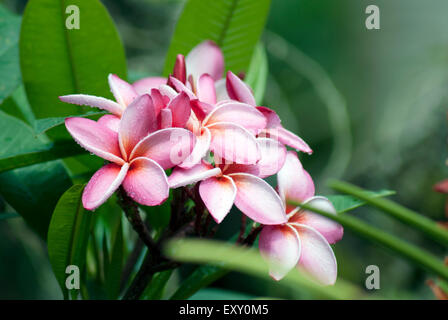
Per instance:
x=304, y=240
x=223, y=185
x=138, y=154
x=158, y=123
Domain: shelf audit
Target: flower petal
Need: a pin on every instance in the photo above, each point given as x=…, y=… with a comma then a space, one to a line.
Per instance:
x=146, y=182
x=180, y=87
x=158, y=100
x=233, y=143
x=123, y=92
x=168, y=147
x=167, y=91
x=317, y=257
x=95, y=138
x=273, y=120
x=180, y=109
x=166, y=119
x=238, y=113
x=331, y=230
x=103, y=184
x=288, y=138
x=145, y=85
x=179, y=71
x=110, y=121
x=206, y=89
x=221, y=90
x=294, y=183
x=280, y=246
x=181, y=177
x=218, y=195
x=94, y=101
x=238, y=90
x=200, y=149
x=137, y=122
x=258, y=200
x=273, y=156
x=206, y=57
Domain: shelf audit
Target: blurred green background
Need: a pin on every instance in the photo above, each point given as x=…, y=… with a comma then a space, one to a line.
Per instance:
x=371, y=103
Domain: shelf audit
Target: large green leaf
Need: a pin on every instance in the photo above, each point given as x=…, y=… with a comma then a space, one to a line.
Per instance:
x=34, y=191
x=43, y=153
x=55, y=60
x=9, y=53
x=45, y=124
x=17, y=106
x=235, y=25
x=68, y=235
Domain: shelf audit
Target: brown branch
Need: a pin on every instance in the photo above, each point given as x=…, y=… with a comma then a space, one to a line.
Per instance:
x=252, y=236
x=242, y=228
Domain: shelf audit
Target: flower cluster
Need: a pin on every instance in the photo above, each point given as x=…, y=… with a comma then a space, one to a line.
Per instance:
x=210, y=130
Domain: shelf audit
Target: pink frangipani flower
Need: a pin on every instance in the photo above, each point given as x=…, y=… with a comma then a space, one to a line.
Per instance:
x=304, y=240
x=138, y=154
x=239, y=91
x=227, y=184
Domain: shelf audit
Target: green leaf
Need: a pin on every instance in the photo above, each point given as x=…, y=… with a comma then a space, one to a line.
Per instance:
x=155, y=289
x=408, y=251
x=56, y=61
x=257, y=75
x=106, y=257
x=68, y=235
x=235, y=25
x=412, y=218
x=17, y=106
x=201, y=277
x=8, y=215
x=43, y=125
x=34, y=191
x=115, y=265
x=44, y=153
x=9, y=53
x=249, y=261
x=344, y=203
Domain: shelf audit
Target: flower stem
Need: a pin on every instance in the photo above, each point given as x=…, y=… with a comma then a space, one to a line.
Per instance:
x=406, y=250
x=395, y=210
